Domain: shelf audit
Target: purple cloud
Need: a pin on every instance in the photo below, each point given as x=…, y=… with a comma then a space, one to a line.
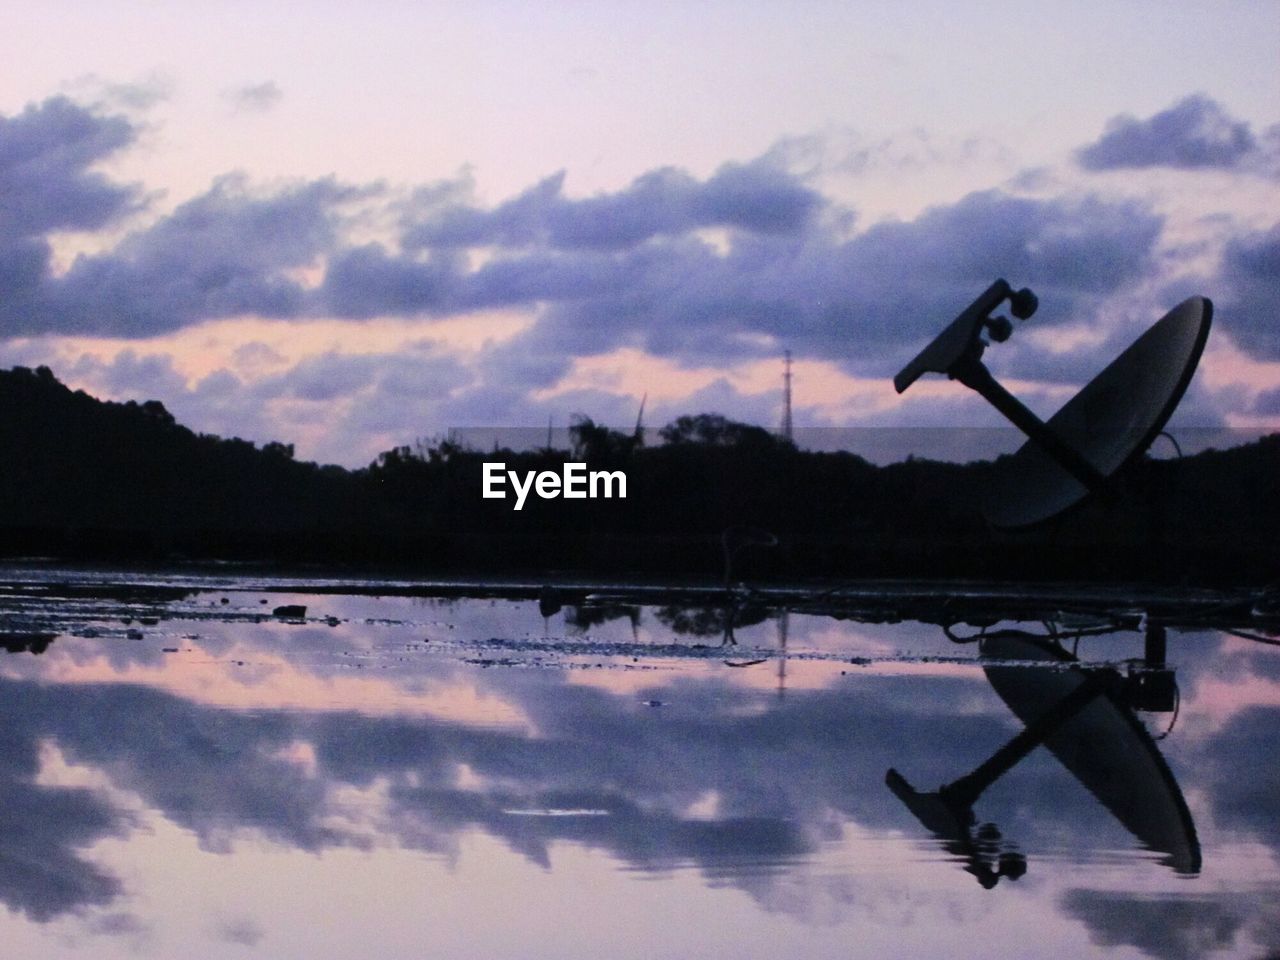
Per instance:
x=1194, y=133
x=46, y=183
x=1251, y=274
x=221, y=254
x=756, y=197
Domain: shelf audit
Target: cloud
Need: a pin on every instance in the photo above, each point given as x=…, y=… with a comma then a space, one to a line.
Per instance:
x=367, y=281
x=1267, y=403
x=46, y=180
x=42, y=833
x=47, y=184
x=119, y=925
x=241, y=930
x=1170, y=928
x=792, y=280
x=758, y=197
x=1234, y=798
x=255, y=97
x=133, y=95
x=868, y=302
x=1251, y=274
x=1195, y=133
x=225, y=253
x=785, y=776
x=336, y=407
x=701, y=271
x=627, y=268
x=129, y=374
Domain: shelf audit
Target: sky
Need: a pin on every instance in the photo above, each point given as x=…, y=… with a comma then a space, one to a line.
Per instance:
x=350, y=229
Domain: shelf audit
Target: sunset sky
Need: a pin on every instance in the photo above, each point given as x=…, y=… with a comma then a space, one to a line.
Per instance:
x=348, y=228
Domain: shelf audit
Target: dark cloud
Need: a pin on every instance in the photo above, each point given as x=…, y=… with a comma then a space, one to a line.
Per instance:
x=627, y=268
x=1267, y=403
x=630, y=268
x=46, y=178
x=869, y=301
x=367, y=281
x=42, y=831
x=1240, y=802
x=1169, y=928
x=1195, y=133
x=47, y=184
x=756, y=197
x=1027, y=360
x=224, y=253
x=1250, y=311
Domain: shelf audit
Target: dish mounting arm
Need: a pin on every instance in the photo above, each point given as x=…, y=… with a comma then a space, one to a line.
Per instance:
x=957, y=352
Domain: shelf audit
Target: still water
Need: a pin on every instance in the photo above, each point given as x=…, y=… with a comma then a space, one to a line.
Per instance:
x=184, y=773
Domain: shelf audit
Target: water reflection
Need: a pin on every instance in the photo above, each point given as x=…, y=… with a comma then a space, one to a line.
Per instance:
x=375, y=738
x=36, y=643
x=1085, y=718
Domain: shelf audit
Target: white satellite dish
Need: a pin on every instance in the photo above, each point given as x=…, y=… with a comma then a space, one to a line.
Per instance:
x=1105, y=426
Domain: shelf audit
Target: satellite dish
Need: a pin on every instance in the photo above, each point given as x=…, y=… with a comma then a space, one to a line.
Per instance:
x=1102, y=743
x=1105, y=426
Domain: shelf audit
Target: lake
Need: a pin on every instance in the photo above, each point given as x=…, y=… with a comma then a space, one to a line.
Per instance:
x=190, y=768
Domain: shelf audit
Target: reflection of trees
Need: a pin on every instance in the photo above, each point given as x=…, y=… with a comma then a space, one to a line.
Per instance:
x=36, y=643
x=584, y=616
x=710, y=621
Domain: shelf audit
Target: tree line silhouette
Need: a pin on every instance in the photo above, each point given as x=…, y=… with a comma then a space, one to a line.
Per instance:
x=92, y=480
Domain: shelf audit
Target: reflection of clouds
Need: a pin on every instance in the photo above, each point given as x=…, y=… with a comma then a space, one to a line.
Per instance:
x=218, y=773
x=242, y=930
x=1241, y=777
x=1167, y=927
x=1227, y=676
x=41, y=828
x=723, y=777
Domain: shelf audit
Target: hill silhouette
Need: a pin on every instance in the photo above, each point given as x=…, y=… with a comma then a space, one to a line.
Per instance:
x=88, y=479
